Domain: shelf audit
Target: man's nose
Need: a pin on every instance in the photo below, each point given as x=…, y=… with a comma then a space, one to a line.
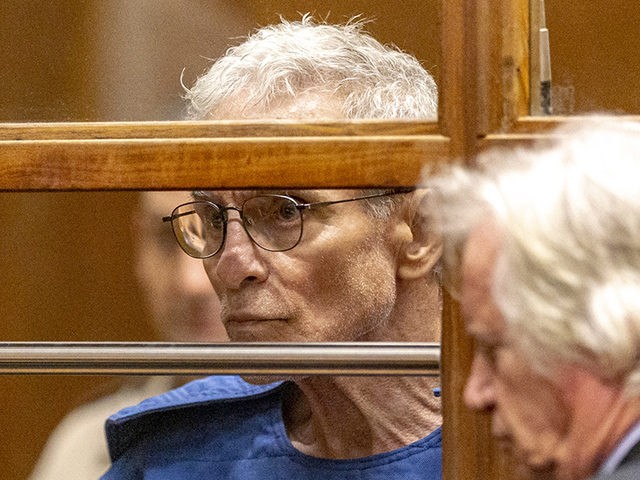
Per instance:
x=479, y=392
x=239, y=261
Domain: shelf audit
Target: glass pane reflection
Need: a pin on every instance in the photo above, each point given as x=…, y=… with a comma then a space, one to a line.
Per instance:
x=593, y=56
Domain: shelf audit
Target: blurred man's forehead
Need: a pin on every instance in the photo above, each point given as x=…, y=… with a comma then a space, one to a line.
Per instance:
x=480, y=254
x=481, y=250
x=162, y=202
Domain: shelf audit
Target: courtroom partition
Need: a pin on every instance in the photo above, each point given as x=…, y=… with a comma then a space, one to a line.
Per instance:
x=70, y=158
x=485, y=92
x=115, y=60
x=108, y=158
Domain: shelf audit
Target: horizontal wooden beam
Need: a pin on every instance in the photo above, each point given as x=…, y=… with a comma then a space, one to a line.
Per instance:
x=541, y=125
x=211, y=129
x=144, y=161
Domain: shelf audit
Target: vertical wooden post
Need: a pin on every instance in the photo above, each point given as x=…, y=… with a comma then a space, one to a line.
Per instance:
x=484, y=90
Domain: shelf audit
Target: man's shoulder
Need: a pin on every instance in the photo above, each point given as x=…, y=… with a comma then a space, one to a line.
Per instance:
x=629, y=470
x=207, y=393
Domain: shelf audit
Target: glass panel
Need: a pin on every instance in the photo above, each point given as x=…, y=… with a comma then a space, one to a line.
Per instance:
x=594, y=59
x=85, y=266
x=74, y=266
x=116, y=60
x=68, y=263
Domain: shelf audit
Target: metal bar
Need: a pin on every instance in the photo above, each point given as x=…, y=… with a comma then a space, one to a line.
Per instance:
x=75, y=358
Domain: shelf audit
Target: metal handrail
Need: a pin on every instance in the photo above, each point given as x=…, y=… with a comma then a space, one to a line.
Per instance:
x=133, y=358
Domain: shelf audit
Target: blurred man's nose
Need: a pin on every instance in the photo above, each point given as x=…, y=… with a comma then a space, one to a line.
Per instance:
x=479, y=393
x=192, y=279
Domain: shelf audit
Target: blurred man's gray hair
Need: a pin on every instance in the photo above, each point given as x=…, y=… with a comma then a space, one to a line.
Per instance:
x=567, y=280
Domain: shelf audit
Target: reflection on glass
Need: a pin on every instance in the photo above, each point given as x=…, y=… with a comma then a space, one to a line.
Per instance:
x=593, y=56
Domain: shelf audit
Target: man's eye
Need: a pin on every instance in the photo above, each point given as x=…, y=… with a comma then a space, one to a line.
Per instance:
x=217, y=221
x=488, y=353
x=288, y=211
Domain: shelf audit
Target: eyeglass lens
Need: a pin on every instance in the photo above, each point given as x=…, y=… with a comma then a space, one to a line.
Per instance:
x=273, y=222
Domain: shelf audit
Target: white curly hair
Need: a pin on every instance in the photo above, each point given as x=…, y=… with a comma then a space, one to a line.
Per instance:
x=284, y=60
x=567, y=279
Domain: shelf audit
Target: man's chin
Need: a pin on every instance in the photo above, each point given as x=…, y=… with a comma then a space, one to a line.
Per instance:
x=525, y=473
x=535, y=469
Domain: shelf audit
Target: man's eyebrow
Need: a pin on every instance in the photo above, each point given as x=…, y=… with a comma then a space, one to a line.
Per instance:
x=308, y=194
x=488, y=340
x=204, y=195
x=292, y=192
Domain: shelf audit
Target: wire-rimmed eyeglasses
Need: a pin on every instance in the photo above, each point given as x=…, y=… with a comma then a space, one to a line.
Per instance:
x=273, y=222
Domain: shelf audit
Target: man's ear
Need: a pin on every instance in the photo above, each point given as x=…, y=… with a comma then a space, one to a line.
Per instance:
x=422, y=248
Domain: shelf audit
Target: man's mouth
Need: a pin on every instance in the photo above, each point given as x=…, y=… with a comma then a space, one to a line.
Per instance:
x=250, y=319
x=243, y=318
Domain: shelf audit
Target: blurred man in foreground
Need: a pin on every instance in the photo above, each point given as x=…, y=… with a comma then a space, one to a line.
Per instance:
x=545, y=247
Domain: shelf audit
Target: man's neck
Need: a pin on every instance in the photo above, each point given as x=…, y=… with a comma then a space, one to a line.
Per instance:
x=350, y=417
x=416, y=317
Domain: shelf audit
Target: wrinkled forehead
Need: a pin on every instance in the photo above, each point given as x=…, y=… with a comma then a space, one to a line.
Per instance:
x=237, y=197
x=308, y=105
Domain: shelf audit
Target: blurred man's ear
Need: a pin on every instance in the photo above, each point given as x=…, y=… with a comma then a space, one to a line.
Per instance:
x=421, y=253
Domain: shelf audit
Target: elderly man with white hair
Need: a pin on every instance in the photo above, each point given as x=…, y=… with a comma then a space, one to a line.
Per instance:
x=542, y=246
x=294, y=265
